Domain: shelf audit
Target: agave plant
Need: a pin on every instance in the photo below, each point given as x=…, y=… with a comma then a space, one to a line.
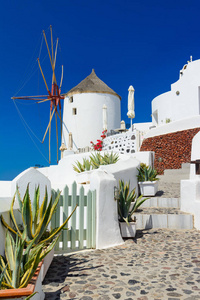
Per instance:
x=96, y=160
x=146, y=173
x=35, y=218
x=125, y=199
x=110, y=158
x=21, y=262
x=86, y=166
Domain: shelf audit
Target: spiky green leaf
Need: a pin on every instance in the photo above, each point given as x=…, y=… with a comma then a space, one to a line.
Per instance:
x=27, y=213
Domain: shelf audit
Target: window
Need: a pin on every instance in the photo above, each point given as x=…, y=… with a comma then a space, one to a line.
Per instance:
x=74, y=111
x=71, y=99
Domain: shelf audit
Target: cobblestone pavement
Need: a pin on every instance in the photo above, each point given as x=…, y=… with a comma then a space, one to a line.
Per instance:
x=157, y=264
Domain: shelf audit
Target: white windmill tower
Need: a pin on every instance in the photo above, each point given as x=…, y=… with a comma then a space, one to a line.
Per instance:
x=82, y=114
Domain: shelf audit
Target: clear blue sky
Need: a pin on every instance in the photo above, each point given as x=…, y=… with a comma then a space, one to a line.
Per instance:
x=143, y=43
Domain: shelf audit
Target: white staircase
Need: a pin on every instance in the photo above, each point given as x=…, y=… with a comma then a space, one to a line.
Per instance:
x=163, y=210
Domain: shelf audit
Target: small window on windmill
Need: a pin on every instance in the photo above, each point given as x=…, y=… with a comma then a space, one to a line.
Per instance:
x=74, y=111
x=71, y=99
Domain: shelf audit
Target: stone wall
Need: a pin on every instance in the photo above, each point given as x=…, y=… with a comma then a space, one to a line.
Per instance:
x=171, y=150
x=125, y=143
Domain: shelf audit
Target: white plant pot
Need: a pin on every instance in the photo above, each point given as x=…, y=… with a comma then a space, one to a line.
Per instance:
x=128, y=230
x=148, y=188
x=83, y=177
x=46, y=263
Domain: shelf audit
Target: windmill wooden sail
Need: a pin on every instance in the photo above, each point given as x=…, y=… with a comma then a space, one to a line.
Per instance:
x=54, y=94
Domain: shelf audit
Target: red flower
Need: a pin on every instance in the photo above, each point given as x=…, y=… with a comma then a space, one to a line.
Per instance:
x=98, y=146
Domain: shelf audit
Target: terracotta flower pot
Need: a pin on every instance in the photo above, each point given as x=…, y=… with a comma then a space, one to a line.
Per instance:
x=35, y=285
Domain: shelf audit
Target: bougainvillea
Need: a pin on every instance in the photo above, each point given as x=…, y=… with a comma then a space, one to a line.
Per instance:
x=99, y=144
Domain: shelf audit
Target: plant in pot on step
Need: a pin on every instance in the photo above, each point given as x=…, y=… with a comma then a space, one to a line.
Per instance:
x=127, y=203
x=147, y=180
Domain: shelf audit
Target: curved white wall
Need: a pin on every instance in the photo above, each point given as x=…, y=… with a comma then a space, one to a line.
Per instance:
x=174, y=106
x=161, y=111
x=87, y=124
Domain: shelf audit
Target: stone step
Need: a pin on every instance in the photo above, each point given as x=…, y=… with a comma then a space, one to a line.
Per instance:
x=173, y=178
x=179, y=172
x=183, y=173
x=185, y=166
x=170, y=218
x=161, y=202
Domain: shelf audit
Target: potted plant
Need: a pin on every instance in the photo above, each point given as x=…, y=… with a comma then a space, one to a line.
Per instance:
x=27, y=245
x=147, y=180
x=20, y=268
x=95, y=160
x=127, y=203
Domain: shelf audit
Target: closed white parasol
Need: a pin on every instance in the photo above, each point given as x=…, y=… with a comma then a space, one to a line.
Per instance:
x=105, y=122
x=131, y=112
x=70, y=141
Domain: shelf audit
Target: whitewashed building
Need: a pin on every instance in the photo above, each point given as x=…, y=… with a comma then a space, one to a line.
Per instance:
x=183, y=101
x=83, y=111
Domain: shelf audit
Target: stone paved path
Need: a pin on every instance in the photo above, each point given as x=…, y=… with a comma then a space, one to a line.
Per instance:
x=157, y=264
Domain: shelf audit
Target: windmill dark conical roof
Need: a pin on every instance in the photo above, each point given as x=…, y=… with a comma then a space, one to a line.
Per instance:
x=91, y=84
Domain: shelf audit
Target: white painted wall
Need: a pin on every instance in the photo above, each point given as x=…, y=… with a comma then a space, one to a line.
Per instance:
x=87, y=124
x=190, y=199
x=107, y=225
x=124, y=170
x=5, y=188
x=145, y=157
x=144, y=127
x=189, y=123
x=190, y=189
x=34, y=178
x=63, y=173
x=186, y=104
x=161, y=109
x=195, y=154
x=4, y=211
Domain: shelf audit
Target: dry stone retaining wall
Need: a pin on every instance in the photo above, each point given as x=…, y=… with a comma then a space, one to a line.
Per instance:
x=171, y=150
